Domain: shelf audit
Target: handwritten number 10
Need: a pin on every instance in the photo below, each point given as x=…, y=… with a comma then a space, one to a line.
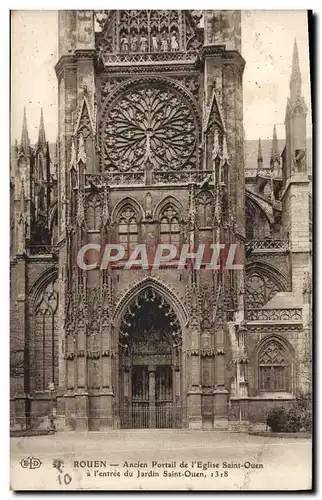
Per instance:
x=66, y=478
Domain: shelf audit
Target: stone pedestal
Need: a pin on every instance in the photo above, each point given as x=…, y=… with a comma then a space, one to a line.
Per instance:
x=81, y=411
x=238, y=414
x=60, y=419
x=106, y=405
x=194, y=409
x=220, y=409
x=18, y=412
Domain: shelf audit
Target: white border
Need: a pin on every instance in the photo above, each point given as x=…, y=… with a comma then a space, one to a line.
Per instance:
x=4, y=184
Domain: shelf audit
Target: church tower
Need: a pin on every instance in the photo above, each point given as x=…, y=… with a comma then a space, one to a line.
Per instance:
x=150, y=151
x=297, y=190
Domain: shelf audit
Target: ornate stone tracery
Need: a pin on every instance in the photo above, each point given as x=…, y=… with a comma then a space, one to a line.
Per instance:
x=259, y=290
x=273, y=365
x=149, y=124
x=44, y=353
x=148, y=31
x=204, y=205
x=150, y=325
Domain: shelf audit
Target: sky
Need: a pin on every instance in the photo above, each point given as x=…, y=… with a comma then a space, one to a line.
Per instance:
x=267, y=46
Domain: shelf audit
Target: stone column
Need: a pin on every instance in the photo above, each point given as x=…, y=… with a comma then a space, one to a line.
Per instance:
x=107, y=394
x=19, y=343
x=194, y=392
x=220, y=393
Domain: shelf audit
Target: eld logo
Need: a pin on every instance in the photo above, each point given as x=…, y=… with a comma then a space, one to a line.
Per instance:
x=30, y=463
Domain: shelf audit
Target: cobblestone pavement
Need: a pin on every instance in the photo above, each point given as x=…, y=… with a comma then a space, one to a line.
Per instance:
x=159, y=460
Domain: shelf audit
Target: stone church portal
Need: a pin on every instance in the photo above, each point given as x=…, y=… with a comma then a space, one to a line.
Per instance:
x=151, y=149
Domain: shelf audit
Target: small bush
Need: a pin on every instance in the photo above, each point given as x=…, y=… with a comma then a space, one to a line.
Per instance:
x=294, y=419
x=307, y=421
x=276, y=419
x=304, y=402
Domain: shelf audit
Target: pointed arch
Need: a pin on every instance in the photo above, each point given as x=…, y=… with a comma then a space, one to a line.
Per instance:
x=121, y=204
x=168, y=200
x=274, y=357
x=169, y=214
x=204, y=205
x=84, y=115
x=214, y=115
x=263, y=281
x=43, y=328
x=93, y=211
x=127, y=216
x=40, y=283
x=266, y=269
x=163, y=289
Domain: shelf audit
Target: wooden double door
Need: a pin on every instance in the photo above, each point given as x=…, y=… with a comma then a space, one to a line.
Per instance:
x=152, y=397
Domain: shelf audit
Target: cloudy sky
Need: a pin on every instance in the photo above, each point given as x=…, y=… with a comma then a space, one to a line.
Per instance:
x=267, y=46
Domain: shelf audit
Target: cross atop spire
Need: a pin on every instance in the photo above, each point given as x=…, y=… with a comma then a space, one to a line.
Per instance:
x=25, y=142
x=275, y=154
x=41, y=133
x=296, y=79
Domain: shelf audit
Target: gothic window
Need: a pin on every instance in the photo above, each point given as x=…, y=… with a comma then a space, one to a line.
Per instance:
x=128, y=232
x=273, y=366
x=94, y=213
x=170, y=225
x=152, y=124
x=204, y=209
x=44, y=348
x=259, y=290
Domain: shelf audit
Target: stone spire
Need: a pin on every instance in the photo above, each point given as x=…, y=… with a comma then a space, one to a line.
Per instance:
x=275, y=155
x=296, y=79
x=42, y=135
x=25, y=142
x=259, y=155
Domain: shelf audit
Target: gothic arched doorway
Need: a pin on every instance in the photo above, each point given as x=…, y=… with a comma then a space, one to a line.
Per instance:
x=150, y=363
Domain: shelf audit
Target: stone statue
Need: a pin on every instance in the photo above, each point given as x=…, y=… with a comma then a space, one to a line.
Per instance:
x=134, y=44
x=143, y=44
x=124, y=44
x=155, y=43
x=174, y=43
x=164, y=44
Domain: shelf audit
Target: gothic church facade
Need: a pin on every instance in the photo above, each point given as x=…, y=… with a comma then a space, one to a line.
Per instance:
x=150, y=150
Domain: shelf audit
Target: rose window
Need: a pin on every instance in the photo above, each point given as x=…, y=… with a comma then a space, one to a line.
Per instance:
x=149, y=125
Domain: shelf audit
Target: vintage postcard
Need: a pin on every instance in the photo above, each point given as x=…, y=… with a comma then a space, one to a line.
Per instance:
x=160, y=252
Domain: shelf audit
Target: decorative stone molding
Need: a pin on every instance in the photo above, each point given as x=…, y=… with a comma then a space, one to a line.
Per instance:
x=165, y=289
x=290, y=314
